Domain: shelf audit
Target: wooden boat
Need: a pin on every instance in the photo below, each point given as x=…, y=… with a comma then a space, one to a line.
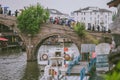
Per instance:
x=58, y=52
x=57, y=70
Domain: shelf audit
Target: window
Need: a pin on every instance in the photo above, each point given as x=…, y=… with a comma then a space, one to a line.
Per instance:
x=77, y=13
x=84, y=13
x=95, y=18
x=81, y=13
x=98, y=21
x=90, y=13
x=90, y=18
x=95, y=13
x=101, y=13
x=108, y=14
x=98, y=16
x=106, y=21
x=82, y=18
x=105, y=16
x=57, y=54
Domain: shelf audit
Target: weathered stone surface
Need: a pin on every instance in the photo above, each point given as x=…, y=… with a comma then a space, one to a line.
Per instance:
x=115, y=27
x=33, y=43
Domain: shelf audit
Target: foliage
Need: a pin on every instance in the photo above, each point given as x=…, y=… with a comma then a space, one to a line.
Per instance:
x=116, y=39
x=115, y=75
x=31, y=18
x=106, y=39
x=92, y=39
x=80, y=29
x=114, y=57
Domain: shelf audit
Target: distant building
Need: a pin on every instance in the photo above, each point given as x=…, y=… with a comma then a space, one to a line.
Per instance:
x=55, y=13
x=94, y=18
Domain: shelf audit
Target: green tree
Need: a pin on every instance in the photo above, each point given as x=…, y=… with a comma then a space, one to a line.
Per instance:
x=80, y=29
x=30, y=20
x=114, y=74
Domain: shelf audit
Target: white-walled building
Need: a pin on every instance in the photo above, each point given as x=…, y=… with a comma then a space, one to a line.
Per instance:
x=94, y=17
x=55, y=13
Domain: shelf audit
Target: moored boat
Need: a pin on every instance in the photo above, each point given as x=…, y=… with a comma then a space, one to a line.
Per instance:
x=44, y=56
x=57, y=70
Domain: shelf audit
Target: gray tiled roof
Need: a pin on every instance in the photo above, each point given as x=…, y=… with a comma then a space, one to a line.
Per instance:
x=54, y=11
x=104, y=10
x=88, y=8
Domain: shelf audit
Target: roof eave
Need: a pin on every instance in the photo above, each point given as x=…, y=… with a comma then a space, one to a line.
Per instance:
x=113, y=3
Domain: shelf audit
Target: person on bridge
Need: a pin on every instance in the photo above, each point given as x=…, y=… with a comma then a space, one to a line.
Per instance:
x=16, y=13
x=1, y=10
x=9, y=12
x=98, y=28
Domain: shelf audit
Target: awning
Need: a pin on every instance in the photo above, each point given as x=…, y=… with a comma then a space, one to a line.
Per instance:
x=3, y=39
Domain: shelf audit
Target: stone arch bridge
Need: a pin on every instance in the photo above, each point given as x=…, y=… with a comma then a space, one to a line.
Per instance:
x=33, y=43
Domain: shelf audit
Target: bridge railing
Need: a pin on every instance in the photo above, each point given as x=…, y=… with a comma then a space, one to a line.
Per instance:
x=82, y=73
x=73, y=63
x=91, y=64
x=6, y=17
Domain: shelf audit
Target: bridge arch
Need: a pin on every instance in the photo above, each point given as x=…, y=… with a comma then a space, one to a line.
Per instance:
x=11, y=23
x=45, y=32
x=55, y=34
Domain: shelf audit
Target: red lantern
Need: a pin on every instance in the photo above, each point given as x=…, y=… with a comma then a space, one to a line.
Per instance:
x=65, y=49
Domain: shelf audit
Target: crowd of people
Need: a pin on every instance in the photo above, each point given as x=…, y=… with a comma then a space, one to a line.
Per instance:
x=71, y=23
x=4, y=10
x=62, y=21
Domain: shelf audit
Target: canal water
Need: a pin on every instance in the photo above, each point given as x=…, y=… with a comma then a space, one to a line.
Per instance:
x=13, y=66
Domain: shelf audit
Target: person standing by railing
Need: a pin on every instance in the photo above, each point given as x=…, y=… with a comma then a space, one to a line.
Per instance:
x=9, y=12
x=16, y=13
x=1, y=10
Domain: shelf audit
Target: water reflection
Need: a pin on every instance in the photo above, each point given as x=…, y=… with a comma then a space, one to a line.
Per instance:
x=31, y=71
x=96, y=76
x=13, y=66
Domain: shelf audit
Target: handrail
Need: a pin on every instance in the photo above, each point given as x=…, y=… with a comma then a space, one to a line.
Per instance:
x=73, y=63
x=82, y=73
x=91, y=64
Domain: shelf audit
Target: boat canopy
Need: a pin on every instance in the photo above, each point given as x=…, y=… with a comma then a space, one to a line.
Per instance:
x=3, y=39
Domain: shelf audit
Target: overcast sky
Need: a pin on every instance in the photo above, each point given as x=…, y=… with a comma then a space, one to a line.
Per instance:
x=65, y=6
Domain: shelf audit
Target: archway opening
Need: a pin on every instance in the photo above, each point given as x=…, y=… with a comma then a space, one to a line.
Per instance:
x=13, y=38
x=56, y=46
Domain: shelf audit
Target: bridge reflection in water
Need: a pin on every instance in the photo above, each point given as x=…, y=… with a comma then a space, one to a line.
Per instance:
x=13, y=66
